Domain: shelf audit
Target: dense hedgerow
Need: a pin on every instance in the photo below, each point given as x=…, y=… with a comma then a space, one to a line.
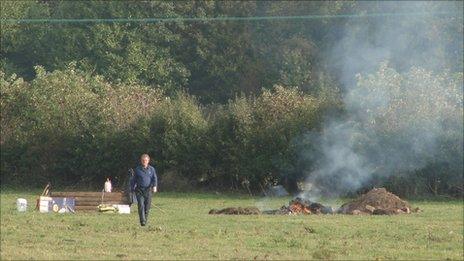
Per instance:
x=75, y=129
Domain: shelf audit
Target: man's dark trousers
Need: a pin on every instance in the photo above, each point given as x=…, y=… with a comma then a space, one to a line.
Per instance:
x=143, y=203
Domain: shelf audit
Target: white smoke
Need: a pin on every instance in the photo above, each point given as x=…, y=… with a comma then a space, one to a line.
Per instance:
x=398, y=115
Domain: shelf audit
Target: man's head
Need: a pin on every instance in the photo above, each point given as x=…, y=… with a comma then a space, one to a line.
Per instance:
x=144, y=160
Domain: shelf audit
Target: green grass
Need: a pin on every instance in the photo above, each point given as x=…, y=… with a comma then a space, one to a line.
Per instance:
x=186, y=231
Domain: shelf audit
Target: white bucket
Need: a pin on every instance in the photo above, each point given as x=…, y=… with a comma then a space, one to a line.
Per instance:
x=122, y=209
x=21, y=204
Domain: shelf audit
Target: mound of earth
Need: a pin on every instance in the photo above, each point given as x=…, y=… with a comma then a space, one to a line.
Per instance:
x=378, y=201
x=236, y=211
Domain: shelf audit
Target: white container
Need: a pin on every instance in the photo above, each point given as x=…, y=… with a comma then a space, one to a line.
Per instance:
x=108, y=186
x=21, y=204
x=44, y=204
x=122, y=209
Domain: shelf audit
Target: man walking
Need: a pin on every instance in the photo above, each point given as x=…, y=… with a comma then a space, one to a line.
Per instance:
x=143, y=183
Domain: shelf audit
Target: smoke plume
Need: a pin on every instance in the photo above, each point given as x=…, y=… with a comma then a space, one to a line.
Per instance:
x=402, y=85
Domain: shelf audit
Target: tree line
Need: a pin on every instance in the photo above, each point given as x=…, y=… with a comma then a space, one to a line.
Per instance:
x=212, y=60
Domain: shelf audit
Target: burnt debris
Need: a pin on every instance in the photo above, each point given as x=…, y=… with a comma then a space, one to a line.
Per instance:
x=296, y=206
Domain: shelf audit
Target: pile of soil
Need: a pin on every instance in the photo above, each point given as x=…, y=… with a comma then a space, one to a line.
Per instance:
x=378, y=201
x=236, y=211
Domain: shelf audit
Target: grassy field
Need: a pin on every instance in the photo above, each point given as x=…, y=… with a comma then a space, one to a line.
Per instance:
x=186, y=231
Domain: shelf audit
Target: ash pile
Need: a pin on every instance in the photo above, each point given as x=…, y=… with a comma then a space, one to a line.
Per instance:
x=236, y=211
x=377, y=201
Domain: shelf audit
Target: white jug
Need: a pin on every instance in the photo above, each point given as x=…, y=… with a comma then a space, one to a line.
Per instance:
x=21, y=204
x=108, y=186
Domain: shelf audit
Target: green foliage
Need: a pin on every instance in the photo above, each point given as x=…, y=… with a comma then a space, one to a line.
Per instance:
x=178, y=131
x=62, y=124
x=215, y=61
x=120, y=52
x=74, y=128
x=255, y=135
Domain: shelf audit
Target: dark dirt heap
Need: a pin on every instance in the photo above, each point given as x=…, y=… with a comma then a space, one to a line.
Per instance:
x=378, y=201
x=236, y=211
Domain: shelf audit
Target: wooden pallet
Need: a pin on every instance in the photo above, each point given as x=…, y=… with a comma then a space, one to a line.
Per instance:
x=89, y=201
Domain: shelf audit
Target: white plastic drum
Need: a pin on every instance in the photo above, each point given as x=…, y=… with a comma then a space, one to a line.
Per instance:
x=21, y=204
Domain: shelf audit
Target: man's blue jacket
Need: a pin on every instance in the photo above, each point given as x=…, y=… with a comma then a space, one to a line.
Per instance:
x=144, y=178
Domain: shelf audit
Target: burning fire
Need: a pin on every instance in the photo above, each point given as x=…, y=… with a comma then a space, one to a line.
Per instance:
x=298, y=208
x=305, y=207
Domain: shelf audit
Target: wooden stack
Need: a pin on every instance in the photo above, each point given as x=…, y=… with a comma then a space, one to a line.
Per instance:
x=89, y=201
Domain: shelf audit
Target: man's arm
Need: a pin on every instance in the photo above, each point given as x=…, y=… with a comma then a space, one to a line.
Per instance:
x=132, y=181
